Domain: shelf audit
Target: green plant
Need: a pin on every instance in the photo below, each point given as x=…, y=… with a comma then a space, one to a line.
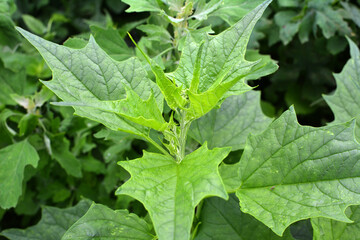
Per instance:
x=286, y=172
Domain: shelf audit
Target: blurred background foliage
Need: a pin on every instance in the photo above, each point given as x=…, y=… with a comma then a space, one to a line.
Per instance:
x=77, y=156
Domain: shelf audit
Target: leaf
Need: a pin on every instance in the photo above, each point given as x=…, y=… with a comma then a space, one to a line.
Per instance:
x=222, y=219
x=112, y=43
x=133, y=108
x=230, y=125
x=203, y=8
x=353, y=11
x=142, y=5
x=8, y=36
x=90, y=75
x=331, y=21
x=53, y=224
x=288, y=27
x=13, y=160
x=223, y=57
x=232, y=11
x=156, y=33
x=10, y=83
x=345, y=102
x=35, y=25
x=328, y=229
x=170, y=91
x=104, y=223
x=292, y=172
x=60, y=152
x=265, y=65
x=170, y=191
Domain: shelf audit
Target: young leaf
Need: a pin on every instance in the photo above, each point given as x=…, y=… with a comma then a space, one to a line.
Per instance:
x=292, y=172
x=345, y=102
x=53, y=224
x=222, y=219
x=133, y=108
x=170, y=91
x=170, y=191
x=13, y=160
x=90, y=75
x=104, y=223
x=328, y=229
x=230, y=125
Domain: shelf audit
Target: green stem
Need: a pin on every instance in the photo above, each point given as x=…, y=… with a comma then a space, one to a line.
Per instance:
x=184, y=128
x=149, y=139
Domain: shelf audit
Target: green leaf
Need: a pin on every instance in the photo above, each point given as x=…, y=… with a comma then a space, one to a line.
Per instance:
x=60, y=152
x=345, y=102
x=292, y=172
x=203, y=8
x=353, y=11
x=230, y=125
x=8, y=36
x=288, y=27
x=10, y=83
x=331, y=21
x=13, y=160
x=328, y=229
x=222, y=219
x=53, y=224
x=142, y=5
x=133, y=108
x=232, y=11
x=35, y=25
x=265, y=65
x=105, y=223
x=223, y=56
x=156, y=33
x=170, y=191
x=112, y=43
x=90, y=75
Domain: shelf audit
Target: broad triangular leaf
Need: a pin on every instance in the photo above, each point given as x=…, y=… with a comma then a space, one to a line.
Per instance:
x=230, y=125
x=292, y=172
x=328, y=229
x=53, y=224
x=142, y=5
x=170, y=191
x=13, y=160
x=105, y=223
x=89, y=75
x=222, y=219
x=345, y=102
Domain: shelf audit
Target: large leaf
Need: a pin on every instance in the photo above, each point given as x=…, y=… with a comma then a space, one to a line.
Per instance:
x=170, y=191
x=292, y=172
x=13, y=160
x=345, y=102
x=230, y=125
x=105, y=223
x=232, y=11
x=222, y=219
x=53, y=224
x=222, y=57
x=89, y=75
x=328, y=229
x=8, y=35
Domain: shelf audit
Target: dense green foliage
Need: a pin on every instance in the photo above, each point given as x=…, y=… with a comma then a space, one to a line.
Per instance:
x=179, y=119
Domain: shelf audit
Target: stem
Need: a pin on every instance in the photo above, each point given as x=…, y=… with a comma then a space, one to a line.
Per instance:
x=149, y=139
x=184, y=128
